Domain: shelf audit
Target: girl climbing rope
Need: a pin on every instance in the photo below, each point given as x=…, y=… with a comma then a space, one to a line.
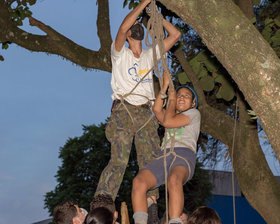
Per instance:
x=181, y=120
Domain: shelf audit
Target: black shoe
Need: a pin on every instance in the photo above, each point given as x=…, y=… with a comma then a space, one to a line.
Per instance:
x=153, y=214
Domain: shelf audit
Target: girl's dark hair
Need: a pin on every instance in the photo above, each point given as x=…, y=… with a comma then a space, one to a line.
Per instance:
x=204, y=215
x=100, y=215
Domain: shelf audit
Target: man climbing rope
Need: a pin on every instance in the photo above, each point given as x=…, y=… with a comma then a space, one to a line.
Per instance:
x=176, y=165
x=131, y=115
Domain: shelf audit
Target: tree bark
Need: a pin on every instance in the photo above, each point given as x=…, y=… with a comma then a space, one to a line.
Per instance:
x=255, y=178
x=242, y=50
x=246, y=7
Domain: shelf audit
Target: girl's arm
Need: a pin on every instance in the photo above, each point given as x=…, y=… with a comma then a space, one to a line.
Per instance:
x=170, y=118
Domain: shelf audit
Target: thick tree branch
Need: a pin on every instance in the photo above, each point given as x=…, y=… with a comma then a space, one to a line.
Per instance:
x=246, y=7
x=103, y=25
x=55, y=43
x=47, y=29
x=255, y=178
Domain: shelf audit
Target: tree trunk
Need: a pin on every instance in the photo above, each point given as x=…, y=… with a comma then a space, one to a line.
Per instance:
x=242, y=50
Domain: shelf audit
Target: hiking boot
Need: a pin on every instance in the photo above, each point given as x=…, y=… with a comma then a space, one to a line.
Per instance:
x=153, y=214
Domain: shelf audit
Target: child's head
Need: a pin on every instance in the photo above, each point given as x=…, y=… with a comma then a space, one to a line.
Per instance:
x=102, y=210
x=186, y=98
x=100, y=215
x=204, y=215
x=103, y=200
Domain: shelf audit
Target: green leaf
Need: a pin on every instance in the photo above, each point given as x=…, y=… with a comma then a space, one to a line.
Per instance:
x=253, y=20
x=203, y=72
x=207, y=83
x=267, y=33
x=219, y=78
x=277, y=22
x=202, y=56
x=226, y=90
x=5, y=46
x=28, y=13
x=32, y=2
x=131, y=4
x=183, y=78
x=211, y=65
x=252, y=114
x=19, y=22
x=195, y=65
x=1, y=58
x=256, y=2
x=268, y=21
x=215, y=75
x=276, y=39
x=125, y=3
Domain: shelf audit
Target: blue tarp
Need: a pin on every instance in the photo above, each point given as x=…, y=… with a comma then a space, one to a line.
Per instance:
x=245, y=214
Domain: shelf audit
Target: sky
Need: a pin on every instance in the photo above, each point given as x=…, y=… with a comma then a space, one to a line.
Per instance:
x=44, y=101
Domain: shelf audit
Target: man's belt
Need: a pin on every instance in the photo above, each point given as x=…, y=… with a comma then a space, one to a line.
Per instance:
x=116, y=102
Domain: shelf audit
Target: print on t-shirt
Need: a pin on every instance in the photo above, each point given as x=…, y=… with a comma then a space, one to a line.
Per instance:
x=178, y=134
x=137, y=75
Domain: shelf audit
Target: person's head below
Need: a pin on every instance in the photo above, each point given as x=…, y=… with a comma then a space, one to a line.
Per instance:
x=184, y=217
x=102, y=201
x=101, y=215
x=186, y=98
x=68, y=212
x=135, y=33
x=204, y=215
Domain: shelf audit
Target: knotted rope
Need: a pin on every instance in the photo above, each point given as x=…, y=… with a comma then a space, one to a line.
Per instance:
x=156, y=32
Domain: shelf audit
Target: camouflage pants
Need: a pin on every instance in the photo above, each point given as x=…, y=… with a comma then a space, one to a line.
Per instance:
x=121, y=131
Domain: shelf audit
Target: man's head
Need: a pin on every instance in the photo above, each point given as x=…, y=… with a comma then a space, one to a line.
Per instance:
x=186, y=98
x=100, y=215
x=204, y=215
x=68, y=212
x=136, y=31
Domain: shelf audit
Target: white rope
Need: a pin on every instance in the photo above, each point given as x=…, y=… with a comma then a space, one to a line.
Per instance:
x=232, y=170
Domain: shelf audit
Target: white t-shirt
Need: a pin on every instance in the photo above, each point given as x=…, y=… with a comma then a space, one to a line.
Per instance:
x=128, y=70
x=188, y=134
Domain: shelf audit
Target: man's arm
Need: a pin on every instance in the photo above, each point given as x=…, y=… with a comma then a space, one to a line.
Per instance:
x=128, y=21
x=173, y=35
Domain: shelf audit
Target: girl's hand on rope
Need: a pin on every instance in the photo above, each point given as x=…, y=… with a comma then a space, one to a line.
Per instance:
x=172, y=94
x=166, y=80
